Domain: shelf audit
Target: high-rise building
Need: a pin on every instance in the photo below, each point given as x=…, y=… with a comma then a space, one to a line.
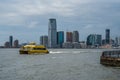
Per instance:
x=52, y=33
x=112, y=42
x=116, y=41
x=44, y=40
x=99, y=39
x=60, y=38
x=11, y=41
x=7, y=45
x=16, y=44
x=94, y=40
x=107, y=36
x=91, y=40
x=75, y=36
x=119, y=41
x=41, y=40
x=69, y=36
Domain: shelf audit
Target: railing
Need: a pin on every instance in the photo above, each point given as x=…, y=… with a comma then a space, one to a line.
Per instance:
x=112, y=54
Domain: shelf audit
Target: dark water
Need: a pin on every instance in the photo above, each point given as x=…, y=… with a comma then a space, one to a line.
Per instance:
x=60, y=64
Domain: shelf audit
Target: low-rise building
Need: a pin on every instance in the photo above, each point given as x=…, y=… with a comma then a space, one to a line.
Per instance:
x=67, y=45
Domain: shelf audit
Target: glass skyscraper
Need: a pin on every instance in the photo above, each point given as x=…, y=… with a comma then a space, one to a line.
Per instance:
x=52, y=33
x=99, y=39
x=11, y=41
x=107, y=36
x=94, y=40
x=60, y=38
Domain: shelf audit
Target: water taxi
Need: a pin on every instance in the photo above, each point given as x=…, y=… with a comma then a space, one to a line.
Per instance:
x=32, y=48
x=110, y=58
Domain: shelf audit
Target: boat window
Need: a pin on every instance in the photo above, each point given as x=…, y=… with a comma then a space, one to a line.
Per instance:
x=114, y=54
x=39, y=48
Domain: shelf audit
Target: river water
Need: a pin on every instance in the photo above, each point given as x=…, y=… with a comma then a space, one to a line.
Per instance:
x=60, y=64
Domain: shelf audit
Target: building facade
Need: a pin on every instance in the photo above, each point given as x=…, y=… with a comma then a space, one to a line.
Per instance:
x=67, y=45
x=107, y=37
x=69, y=37
x=60, y=38
x=16, y=44
x=44, y=40
x=119, y=41
x=99, y=40
x=41, y=40
x=75, y=37
x=76, y=45
x=7, y=45
x=11, y=41
x=94, y=40
x=52, y=33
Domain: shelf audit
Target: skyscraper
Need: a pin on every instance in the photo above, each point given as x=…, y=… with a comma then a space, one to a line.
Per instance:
x=99, y=39
x=107, y=36
x=16, y=44
x=119, y=41
x=7, y=45
x=91, y=40
x=41, y=40
x=52, y=33
x=11, y=41
x=60, y=38
x=94, y=40
x=69, y=36
x=75, y=36
x=44, y=40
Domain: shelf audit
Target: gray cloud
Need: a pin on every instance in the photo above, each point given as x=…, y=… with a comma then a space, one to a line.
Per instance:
x=18, y=11
x=87, y=16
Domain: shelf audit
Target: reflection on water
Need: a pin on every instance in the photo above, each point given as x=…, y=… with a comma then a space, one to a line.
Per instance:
x=60, y=64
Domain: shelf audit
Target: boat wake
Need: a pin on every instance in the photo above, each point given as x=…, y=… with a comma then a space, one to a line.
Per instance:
x=55, y=52
x=64, y=52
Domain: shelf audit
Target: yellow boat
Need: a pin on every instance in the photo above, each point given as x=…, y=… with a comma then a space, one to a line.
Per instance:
x=32, y=48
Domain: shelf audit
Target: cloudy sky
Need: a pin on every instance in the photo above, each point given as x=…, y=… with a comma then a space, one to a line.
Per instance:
x=27, y=20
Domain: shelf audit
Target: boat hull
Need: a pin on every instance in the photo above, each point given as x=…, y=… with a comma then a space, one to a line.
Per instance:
x=33, y=52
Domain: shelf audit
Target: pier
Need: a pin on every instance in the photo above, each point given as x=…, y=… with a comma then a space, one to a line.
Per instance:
x=110, y=58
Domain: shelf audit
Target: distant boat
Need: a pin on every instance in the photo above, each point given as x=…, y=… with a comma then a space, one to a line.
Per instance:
x=32, y=48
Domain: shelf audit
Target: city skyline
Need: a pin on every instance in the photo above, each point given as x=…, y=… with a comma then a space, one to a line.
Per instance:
x=72, y=40
x=65, y=39
x=28, y=20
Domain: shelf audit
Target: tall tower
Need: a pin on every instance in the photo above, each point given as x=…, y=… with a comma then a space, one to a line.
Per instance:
x=75, y=36
x=60, y=38
x=52, y=33
x=16, y=44
x=69, y=36
x=44, y=40
x=41, y=40
x=11, y=41
x=107, y=36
